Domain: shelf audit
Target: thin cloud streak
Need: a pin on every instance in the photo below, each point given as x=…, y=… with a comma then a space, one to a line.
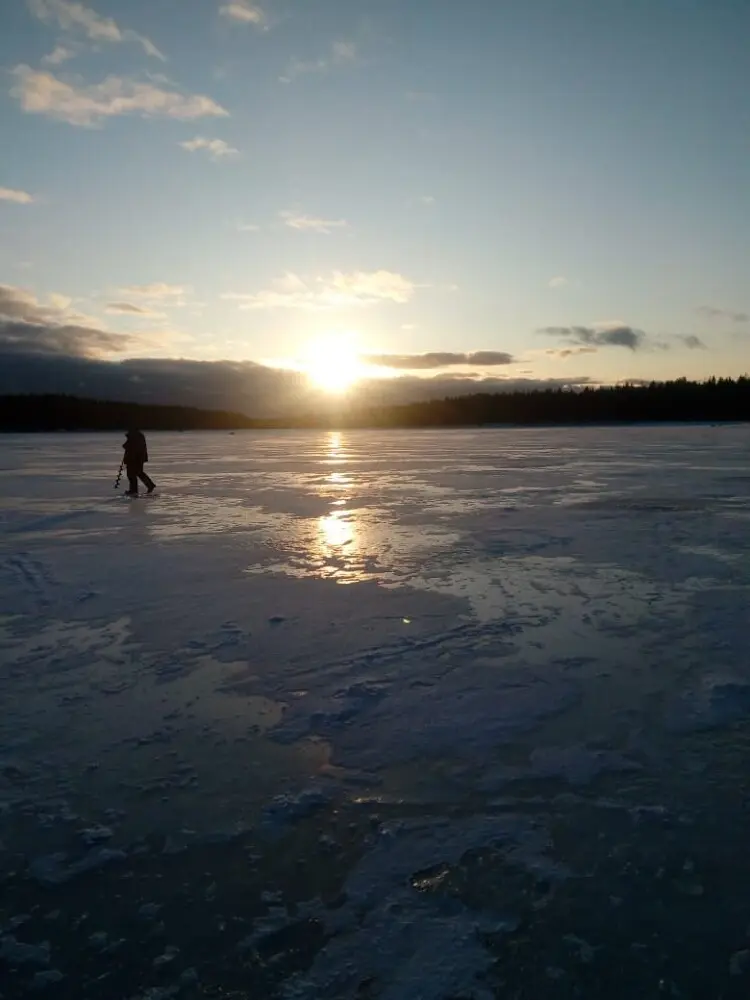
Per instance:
x=339, y=290
x=606, y=335
x=129, y=309
x=58, y=56
x=76, y=17
x=309, y=223
x=439, y=359
x=217, y=149
x=15, y=195
x=342, y=53
x=244, y=12
x=692, y=342
x=569, y=352
x=89, y=106
x=712, y=312
x=156, y=290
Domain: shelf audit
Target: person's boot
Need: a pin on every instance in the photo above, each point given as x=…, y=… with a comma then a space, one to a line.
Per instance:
x=151, y=487
x=131, y=493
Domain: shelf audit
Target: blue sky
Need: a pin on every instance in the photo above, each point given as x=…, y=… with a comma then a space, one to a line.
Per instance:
x=561, y=183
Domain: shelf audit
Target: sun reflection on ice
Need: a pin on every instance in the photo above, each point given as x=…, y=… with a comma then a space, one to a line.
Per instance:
x=335, y=451
x=337, y=545
x=336, y=531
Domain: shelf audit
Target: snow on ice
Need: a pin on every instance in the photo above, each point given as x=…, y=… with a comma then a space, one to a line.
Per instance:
x=401, y=649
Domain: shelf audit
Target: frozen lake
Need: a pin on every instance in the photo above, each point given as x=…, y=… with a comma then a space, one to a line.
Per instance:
x=438, y=715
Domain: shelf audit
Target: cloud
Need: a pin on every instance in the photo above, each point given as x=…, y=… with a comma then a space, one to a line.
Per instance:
x=438, y=359
x=18, y=337
x=20, y=303
x=217, y=149
x=244, y=12
x=310, y=223
x=342, y=53
x=29, y=326
x=61, y=302
x=16, y=196
x=489, y=359
x=712, y=312
x=248, y=227
x=427, y=199
x=42, y=93
x=569, y=352
x=359, y=288
x=368, y=287
x=614, y=334
x=58, y=56
x=602, y=335
x=558, y=282
x=45, y=348
x=225, y=385
x=128, y=309
x=75, y=17
x=257, y=390
x=692, y=342
x=156, y=290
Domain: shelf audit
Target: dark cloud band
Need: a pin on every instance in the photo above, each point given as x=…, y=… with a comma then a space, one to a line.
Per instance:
x=438, y=359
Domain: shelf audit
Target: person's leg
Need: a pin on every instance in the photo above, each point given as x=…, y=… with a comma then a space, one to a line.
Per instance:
x=132, y=474
x=146, y=480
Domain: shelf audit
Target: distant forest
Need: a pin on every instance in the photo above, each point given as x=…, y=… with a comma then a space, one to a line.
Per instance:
x=712, y=401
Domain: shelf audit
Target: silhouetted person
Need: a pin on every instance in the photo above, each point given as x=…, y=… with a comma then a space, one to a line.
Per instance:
x=136, y=456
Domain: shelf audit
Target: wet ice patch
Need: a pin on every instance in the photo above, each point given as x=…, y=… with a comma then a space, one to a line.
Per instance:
x=15, y=953
x=466, y=709
x=404, y=943
x=287, y=809
x=714, y=704
x=56, y=869
x=349, y=546
x=577, y=765
x=194, y=515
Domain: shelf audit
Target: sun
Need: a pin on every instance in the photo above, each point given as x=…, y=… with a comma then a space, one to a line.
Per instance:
x=333, y=365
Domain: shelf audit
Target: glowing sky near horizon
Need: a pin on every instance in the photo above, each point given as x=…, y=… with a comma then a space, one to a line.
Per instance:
x=543, y=189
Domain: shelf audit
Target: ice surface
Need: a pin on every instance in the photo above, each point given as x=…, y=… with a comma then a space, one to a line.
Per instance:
x=299, y=628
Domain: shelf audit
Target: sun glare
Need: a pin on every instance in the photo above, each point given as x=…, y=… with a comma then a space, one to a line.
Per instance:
x=333, y=365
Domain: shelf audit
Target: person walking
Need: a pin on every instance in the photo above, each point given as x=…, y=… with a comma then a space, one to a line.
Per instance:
x=136, y=456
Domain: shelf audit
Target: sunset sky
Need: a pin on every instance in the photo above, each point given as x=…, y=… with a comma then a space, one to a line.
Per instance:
x=518, y=189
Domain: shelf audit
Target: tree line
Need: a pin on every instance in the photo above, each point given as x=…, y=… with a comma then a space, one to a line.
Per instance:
x=70, y=413
x=715, y=400
x=712, y=401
